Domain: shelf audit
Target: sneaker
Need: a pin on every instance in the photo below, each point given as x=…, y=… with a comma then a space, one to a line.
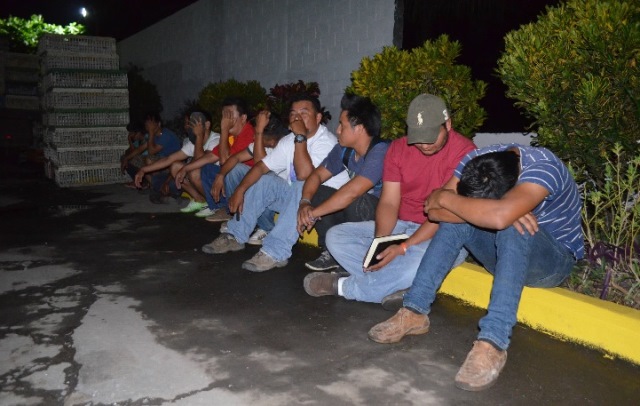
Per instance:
x=224, y=228
x=262, y=262
x=318, y=284
x=323, y=263
x=206, y=212
x=393, y=302
x=224, y=243
x=403, y=323
x=481, y=368
x=219, y=216
x=156, y=198
x=257, y=237
x=194, y=206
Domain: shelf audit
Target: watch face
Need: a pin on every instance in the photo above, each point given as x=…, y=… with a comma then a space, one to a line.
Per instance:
x=300, y=138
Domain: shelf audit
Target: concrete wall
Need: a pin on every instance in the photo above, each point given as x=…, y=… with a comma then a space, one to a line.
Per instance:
x=272, y=41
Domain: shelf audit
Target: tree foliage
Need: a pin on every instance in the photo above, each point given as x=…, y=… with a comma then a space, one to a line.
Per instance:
x=24, y=34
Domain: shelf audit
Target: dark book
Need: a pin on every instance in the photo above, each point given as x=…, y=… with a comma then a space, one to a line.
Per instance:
x=379, y=244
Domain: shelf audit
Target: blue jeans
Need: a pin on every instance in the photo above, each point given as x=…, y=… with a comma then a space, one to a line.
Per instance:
x=515, y=260
x=273, y=193
x=348, y=244
x=207, y=176
x=231, y=182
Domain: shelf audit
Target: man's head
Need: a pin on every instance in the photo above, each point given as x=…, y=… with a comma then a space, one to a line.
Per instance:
x=273, y=132
x=359, y=114
x=307, y=108
x=136, y=130
x=238, y=108
x=152, y=122
x=195, y=118
x=428, y=123
x=489, y=176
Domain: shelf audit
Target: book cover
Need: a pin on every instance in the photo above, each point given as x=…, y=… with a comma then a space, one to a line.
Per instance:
x=379, y=244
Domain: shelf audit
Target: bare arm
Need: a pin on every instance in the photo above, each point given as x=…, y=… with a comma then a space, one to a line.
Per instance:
x=158, y=165
x=152, y=147
x=259, y=152
x=388, y=208
x=218, y=184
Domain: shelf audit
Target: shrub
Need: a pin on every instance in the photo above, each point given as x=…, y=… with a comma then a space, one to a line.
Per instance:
x=143, y=94
x=392, y=78
x=574, y=71
x=211, y=97
x=23, y=34
x=279, y=96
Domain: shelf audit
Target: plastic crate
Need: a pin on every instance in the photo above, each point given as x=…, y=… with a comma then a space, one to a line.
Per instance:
x=85, y=80
x=77, y=43
x=86, y=119
x=84, y=156
x=21, y=102
x=86, y=176
x=22, y=75
x=21, y=61
x=21, y=89
x=85, y=137
x=69, y=60
x=83, y=99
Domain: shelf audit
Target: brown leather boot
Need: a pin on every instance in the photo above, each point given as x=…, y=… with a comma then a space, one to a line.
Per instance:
x=481, y=368
x=403, y=323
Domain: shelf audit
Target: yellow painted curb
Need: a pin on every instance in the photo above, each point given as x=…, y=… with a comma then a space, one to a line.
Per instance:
x=310, y=238
x=607, y=326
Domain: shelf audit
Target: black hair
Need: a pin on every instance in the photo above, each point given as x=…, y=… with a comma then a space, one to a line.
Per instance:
x=135, y=127
x=153, y=116
x=240, y=104
x=275, y=128
x=490, y=175
x=298, y=97
x=361, y=110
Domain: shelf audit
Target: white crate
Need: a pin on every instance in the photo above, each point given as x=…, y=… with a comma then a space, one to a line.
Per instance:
x=85, y=80
x=84, y=156
x=86, y=119
x=83, y=99
x=77, y=43
x=69, y=60
x=86, y=176
x=85, y=137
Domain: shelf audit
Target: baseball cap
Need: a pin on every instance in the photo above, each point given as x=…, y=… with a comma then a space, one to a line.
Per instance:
x=425, y=116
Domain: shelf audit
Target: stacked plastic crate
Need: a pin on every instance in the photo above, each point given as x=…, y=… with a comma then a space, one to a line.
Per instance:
x=85, y=105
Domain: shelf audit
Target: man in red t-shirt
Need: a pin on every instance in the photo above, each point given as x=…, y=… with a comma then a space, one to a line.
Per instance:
x=415, y=165
x=236, y=134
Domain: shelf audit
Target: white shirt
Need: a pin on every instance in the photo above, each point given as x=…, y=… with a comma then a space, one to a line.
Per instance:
x=188, y=148
x=280, y=160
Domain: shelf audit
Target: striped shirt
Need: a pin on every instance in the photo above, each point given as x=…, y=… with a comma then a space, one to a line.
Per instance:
x=559, y=212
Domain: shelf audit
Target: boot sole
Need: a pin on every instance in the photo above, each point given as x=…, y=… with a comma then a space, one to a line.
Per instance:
x=412, y=332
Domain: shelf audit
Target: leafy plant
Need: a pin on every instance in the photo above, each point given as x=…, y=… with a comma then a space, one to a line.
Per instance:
x=279, y=96
x=211, y=97
x=143, y=94
x=574, y=71
x=611, y=225
x=24, y=34
x=393, y=77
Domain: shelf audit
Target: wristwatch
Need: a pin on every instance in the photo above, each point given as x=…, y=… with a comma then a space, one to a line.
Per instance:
x=300, y=138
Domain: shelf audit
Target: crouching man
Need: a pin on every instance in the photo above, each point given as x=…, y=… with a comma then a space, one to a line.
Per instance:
x=516, y=209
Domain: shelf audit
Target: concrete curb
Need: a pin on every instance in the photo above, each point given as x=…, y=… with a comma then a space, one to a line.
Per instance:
x=606, y=326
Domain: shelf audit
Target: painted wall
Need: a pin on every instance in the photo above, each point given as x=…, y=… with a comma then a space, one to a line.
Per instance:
x=272, y=41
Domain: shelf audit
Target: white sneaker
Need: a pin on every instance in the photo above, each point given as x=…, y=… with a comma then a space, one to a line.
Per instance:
x=257, y=237
x=224, y=228
x=206, y=212
x=194, y=206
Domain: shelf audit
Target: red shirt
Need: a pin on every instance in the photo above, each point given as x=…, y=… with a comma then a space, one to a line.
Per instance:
x=239, y=143
x=419, y=174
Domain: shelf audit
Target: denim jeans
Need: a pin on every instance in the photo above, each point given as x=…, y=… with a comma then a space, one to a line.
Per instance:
x=231, y=182
x=515, y=260
x=273, y=193
x=348, y=244
x=207, y=175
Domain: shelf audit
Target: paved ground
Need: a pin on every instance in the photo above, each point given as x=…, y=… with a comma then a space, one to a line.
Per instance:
x=107, y=299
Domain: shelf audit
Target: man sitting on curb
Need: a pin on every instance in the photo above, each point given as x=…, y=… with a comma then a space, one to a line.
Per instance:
x=516, y=209
x=414, y=166
x=201, y=139
x=360, y=153
x=269, y=131
x=296, y=155
x=133, y=158
x=236, y=133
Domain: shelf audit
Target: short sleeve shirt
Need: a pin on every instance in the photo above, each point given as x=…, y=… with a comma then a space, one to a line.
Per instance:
x=169, y=141
x=239, y=142
x=189, y=149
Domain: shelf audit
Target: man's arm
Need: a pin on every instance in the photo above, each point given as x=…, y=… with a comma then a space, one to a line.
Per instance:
x=152, y=147
x=210, y=158
x=158, y=165
x=387, y=209
x=302, y=162
x=218, y=183
x=306, y=219
x=236, y=201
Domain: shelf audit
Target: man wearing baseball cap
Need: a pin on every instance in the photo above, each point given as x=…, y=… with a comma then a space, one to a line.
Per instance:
x=415, y=165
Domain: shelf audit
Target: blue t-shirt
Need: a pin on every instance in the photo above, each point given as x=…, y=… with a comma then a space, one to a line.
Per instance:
x=559, y=212
x=169, y=141
x=370, y=165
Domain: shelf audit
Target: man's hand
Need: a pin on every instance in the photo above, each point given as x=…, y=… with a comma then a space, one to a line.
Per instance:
x=262, y=119
x=180, y=177
x=433, y=201
x=228, y=121
x=218, y=187
x=296, y=124
x=197, y=127
x=236, y=202
x=386, y=256
x=123, y=165
x=138, y=179
x=306, y=220
x=528, y=222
